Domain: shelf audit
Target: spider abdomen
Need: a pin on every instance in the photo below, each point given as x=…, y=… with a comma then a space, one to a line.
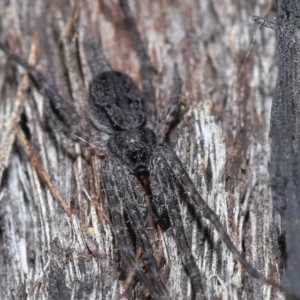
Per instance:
x=116, y=102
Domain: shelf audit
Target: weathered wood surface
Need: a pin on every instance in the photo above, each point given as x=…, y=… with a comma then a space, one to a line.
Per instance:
x=285, y=137
x=223, y=140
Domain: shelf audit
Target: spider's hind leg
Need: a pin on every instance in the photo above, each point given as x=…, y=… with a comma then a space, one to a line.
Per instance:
x=174, y=105
x=55, y=105
x=95, y=57
x=73, y=134
x=145, y=64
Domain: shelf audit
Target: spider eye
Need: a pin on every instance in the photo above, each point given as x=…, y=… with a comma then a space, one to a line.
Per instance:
x=133, y=155
x=137, y=155
x=143, y=156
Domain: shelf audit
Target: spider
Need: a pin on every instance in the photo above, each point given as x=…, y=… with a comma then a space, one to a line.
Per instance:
x=136, y=158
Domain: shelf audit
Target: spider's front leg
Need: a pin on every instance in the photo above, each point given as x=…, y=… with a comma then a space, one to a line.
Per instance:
x=163, y=187
x=201, y=208
x=120, y=191
x=130, y=186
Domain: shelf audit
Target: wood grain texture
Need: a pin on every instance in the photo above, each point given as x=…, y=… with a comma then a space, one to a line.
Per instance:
x=222, y=139
x=285, y=137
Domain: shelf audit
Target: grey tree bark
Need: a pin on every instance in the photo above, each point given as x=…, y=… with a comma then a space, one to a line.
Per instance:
x=56, y=240
x=285, y=137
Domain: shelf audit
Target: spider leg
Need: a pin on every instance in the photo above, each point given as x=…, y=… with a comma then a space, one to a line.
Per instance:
x=161, y=213
x=163, y=186
x=143, y=57
x=59, y=105
x=200, y=208
x=95, y=58
x=111, y=190
x=71, y=134
x=174, y=105
x=42, y=84
x=128, y=185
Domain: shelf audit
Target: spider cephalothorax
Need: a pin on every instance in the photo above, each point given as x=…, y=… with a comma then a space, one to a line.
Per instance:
x=134, y=148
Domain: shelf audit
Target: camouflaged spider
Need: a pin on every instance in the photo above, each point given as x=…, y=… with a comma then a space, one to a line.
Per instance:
x=118, y=108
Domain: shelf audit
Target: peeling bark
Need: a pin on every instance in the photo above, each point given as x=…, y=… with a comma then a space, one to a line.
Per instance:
x=285, y=137
x=52, y=252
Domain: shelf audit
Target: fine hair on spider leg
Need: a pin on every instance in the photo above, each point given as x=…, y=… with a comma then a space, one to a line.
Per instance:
x=114, y=192
x=124, y=189
x=174, y=105
x=95, y=58
x=145, y=65
x=163, y=186
x=84, y=135
x=119, y=108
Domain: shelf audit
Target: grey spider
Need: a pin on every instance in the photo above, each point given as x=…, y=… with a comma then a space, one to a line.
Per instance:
x=118, y=108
